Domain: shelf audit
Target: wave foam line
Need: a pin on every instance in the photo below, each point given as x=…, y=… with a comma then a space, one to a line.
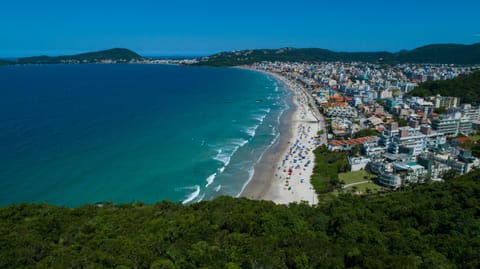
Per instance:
x=192, y=195
x=252, y=169
x=266, y=110
x=210, y=179
x=260, y=118
x=225, y=154
x=251, y=131
x=250, y=176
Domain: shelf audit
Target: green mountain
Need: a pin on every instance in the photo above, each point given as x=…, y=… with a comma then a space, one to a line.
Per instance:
x=3, y=62
x=117, y=55
x=442, y=53
x=434, y=225
x=467, y=87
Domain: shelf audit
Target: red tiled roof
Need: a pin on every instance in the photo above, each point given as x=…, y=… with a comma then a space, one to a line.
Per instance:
x=462, y=140
x=351, y=142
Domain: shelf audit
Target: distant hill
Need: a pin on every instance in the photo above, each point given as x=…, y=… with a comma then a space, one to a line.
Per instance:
x=117, y=55
x=3, y=62
x=441, y=53
x=467, y=87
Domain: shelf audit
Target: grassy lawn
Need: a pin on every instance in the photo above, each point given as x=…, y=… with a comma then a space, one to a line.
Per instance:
x=474, y=137
x=359, y=176
x=356, y=176
x=370, y=185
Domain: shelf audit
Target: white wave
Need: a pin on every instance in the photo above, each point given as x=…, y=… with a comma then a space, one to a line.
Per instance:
x=241, y=142
x=267, y=110
x=260, y=118
x=192, y=195
x=277, y=135
x=221, y=169
x=217, y=189
x=252, y=169
x=225, y=154
x=210, y=179
x=250, y=131
x=276, y=88
x=222, y=157
x=250, y=176
x=201, y=198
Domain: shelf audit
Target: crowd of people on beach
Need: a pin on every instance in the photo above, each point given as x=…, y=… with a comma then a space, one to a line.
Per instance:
x=296, y=164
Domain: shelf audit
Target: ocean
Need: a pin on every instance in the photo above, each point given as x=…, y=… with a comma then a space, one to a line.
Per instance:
x=77, y=134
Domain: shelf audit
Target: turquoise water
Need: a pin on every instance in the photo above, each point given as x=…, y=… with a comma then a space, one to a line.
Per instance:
x=76, y=134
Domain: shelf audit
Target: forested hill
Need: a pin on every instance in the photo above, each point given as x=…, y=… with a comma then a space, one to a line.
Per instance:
x=439, y=53
x=3, y=62
x=431, y=226
x=467, y=87
x=117, y=55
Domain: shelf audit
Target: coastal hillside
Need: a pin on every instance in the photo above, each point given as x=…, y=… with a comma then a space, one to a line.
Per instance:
x=115, y=55
x=467, y=87
x=288, y=55
x=440, y=53
x=434, y=225
x=3, y=62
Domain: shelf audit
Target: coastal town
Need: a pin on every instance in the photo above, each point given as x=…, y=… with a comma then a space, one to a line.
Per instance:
x=391, y=139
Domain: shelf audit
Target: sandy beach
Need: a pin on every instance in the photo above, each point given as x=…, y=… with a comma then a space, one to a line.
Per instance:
x=283, y=173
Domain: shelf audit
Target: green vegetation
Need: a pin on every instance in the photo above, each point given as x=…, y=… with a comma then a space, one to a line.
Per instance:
x=440, y=110
x=475, y=138
x=366, y=132
x=464, y=86
x=118, y=55
x=367, y=188
x=429, y=226
x=289, y=55
x=3, y=62
x=328, y=165
x=472, y=144
x=355, y=176
x=441, y=53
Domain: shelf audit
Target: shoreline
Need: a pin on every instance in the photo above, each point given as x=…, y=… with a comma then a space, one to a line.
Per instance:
x=270, y=180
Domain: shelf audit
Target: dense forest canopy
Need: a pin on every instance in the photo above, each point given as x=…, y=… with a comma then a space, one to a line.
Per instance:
x=467, y=87
x=435, y=225
x=438, y=53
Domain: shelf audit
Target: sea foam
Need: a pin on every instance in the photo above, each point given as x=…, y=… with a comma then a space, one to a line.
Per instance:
x=260, y=118
x=225, y=153
x=210, y=179
x=251, y=131
x=193, y=195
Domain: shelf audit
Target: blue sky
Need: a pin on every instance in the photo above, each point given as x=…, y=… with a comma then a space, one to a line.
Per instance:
x=182, y=27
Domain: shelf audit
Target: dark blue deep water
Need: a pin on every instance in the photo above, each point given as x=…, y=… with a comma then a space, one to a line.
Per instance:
x=76, y=134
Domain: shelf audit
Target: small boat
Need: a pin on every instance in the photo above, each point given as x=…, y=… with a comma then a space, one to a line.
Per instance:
x=259, y=100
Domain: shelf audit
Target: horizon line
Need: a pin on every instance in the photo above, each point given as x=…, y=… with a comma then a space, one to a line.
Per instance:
x=205, y=54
